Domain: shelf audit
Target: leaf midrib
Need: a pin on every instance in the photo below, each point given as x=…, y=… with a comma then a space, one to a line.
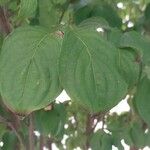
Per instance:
x=30, y=62
x=88, y=51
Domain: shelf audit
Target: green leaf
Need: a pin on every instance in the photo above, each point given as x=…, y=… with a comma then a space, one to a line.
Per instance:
x=142, y=99
x=10, y=141
x=92, y=76
x=138, y=42
x=106, y=142
x=147, y=11
x=102, y=10
x=129, y=67
x=137, y=135
x=59, y=1
x=114, y=36
x=101, y=141
x=95, y=142
x=3, y=129
x=95, y=22
x=48, y=14
x=3, y=2
x=118, y=124
x=117, y=142
x=82, y=14
x=120, y=128
x=51, y=121
x=29, y=69
x=147, y=141
x=146, y=71
x=27, y=8
x=4, y=112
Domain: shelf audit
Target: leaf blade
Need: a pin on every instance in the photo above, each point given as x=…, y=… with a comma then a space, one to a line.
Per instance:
x=35, y=75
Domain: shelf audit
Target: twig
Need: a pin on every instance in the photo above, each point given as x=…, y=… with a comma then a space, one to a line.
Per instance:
x=5, y=26
x=133, y=148
x=41, y=142
x=31, y=133
x=66, y=5
x=89, y=130
x=49, y=143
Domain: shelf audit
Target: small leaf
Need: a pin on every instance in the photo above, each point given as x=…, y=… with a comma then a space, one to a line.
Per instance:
x=3, y=2
x=95, y=142
x=147, y=11
x=114, y=36
x=3, y=129
x=10, y=141
x=129, y=67
x=52, y=121
x=142, y=99
x=138, y=42
x=102, y=10
x=137, y=135
x=27, y=8
x=95, y=23
x=48, y=14
x=117, y=142
x=29, y=69
x=101, y=141
x=82, y=14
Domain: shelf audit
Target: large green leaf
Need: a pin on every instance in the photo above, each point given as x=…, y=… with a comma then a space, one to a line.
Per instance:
x=29, y=69
x=142, y=99
x=89, y=70
x=27, y=8
x=51, y=121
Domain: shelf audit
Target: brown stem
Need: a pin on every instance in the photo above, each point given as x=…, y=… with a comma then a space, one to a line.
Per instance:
x=90, y=125
x=5, y=26
x=41, y=142
x=31, y=133
x=89, y=130
x=64, y=10
x=49, y=143
x=133, y=148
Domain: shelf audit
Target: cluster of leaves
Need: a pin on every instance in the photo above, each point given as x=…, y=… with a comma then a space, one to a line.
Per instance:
x=84, y=48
